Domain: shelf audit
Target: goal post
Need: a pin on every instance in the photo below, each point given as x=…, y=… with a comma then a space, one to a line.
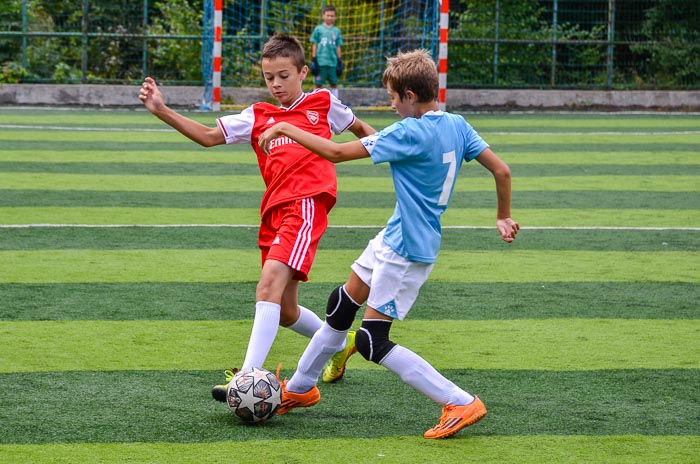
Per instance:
x=372, y=30
x=212, y=22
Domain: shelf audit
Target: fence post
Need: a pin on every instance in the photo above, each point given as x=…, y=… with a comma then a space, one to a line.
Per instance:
x=497, y=32
x=144, y=45
x=553, y=72
x=611, y=38
x=24, y=34
x=84, y=43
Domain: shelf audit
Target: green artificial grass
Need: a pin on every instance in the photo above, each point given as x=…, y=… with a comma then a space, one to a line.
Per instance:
x=531, y=449
x=583, y=343
x=76, y=266
x=140, y=406
x=340, y=238
x=436, y=301
x=202, y=168
x=350, y=216
x=547, y=344
x=243, y=183
x=527, y=199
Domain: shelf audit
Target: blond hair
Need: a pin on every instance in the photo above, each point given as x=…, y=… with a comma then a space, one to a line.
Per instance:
x=415, y=71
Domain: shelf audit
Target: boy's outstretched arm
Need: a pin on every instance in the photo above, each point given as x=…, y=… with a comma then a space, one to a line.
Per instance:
x=332, y=151
x=507, y=227
x=152, y=99
x=361, y=129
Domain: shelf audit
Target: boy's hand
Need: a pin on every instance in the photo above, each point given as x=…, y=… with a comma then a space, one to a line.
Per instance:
x=269, y=135
x=151, y=96
x=508, y=229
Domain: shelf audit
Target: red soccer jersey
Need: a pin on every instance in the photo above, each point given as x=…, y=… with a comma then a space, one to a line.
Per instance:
x=291, y=171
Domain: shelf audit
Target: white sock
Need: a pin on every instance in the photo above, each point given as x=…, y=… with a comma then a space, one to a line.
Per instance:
x=307, y=324
x=419, y=374
x=324, y=344
x=334, y=92
x=265, y=326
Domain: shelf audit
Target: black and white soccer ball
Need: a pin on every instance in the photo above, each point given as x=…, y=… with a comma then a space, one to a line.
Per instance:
x=254, y=395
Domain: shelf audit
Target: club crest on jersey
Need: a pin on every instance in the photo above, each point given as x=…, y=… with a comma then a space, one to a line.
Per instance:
x=312, y=116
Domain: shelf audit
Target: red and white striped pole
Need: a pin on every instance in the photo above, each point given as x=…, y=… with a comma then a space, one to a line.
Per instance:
x=442, y=53
x=216, y=77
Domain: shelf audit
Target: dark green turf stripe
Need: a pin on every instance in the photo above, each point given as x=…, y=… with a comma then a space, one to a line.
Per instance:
x=547, y=170
x=203, y=301
x=56, y=238
x=643, y=145
x=201, y=169
x=92, y=145
x=599, y=199
x=175, y=406
x=116, y=168
x=208, y=168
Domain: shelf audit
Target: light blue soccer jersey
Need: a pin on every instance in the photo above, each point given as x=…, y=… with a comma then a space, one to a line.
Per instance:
x=424, y=156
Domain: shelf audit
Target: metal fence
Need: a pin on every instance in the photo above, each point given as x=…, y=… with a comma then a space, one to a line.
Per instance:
x=599, y=44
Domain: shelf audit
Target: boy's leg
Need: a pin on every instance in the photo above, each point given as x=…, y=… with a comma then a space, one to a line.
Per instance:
x=307, y=324
x=301, y=391
x=273, y=281
x=296, y=317
x=340, y=313
x=333, y=81
x=460, y=408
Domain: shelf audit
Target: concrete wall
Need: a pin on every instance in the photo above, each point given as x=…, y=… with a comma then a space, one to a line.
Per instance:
x=457, y=99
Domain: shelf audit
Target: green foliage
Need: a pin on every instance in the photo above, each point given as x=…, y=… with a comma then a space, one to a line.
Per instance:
x=656, y=44
x=175, y=54
x=524, y=58
x=673, y=27
x=12, y=73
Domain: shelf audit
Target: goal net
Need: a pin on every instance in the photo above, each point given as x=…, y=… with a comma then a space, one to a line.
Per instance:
x=371, y=29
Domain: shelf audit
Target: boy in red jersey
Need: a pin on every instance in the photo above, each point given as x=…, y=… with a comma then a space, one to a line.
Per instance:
x=300, y=187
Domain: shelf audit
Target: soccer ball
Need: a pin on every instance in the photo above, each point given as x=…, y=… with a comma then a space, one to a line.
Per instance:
x=254, y=395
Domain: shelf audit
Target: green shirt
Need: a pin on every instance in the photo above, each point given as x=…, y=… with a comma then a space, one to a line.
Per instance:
x=327, y=40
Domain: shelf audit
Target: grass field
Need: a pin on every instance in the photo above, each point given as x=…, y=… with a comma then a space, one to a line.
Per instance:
x=128, y=265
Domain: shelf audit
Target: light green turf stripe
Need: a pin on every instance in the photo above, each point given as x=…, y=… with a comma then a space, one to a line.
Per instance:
x=496, y=137
x=593, y=140
x=603, y=122
x=647, y=158
x=82, y=266
x=375, y=217
x=153, y=183
x=541, y=344
x=532, y=449
x=243, y=154
x=125, y=137
x=233, y=154
x=136, y=183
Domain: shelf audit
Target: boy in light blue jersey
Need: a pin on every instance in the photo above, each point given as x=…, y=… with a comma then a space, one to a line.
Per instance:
x=425, y=151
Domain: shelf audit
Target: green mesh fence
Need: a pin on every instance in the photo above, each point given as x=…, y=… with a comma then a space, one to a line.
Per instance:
x=597, y=44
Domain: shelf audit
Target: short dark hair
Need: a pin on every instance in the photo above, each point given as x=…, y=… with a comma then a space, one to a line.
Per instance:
x=415, y=71
x=328, y=8
x=285, y=46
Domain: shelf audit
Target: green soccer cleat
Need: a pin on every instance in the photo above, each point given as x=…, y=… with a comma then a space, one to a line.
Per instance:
x=218, y=392
x=335, y=368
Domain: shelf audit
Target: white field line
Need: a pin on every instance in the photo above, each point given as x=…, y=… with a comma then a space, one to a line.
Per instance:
x=245, y=226
x=166, y=129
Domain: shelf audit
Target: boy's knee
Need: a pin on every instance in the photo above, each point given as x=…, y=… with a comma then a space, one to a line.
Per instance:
x=372, y=340
x=340, y=310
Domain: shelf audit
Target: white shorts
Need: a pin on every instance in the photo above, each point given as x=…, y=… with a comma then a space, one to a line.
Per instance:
x=393, y=280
